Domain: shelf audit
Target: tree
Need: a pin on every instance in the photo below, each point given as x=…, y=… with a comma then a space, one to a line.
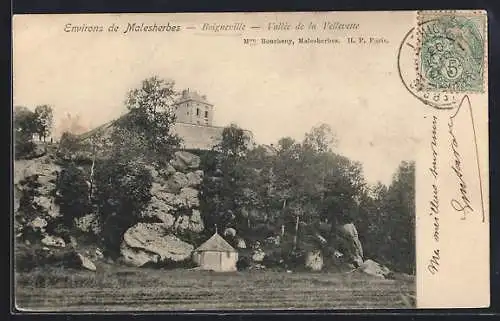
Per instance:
x=285, y=144
x=386, y=220
x=234, y=142
x=72, y=194
x=69, y=143
x=44, y=121
x=149, y=120
x=122, y=192
x=226, y=191
x=400, y=203
x=25, y=127
x=320, y=138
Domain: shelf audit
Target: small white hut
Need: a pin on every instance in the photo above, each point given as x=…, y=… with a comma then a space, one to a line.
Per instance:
x=216, y=254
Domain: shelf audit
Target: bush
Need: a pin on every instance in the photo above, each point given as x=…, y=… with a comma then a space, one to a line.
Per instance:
x=30, y=257
x=123, y=191
x=243, y=263
x=72, y=194
x=24, y=147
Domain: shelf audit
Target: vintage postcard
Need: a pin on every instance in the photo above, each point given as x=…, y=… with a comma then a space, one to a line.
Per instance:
x=244, y=161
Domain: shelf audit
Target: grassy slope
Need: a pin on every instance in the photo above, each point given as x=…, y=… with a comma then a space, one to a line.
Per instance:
x=118, y=288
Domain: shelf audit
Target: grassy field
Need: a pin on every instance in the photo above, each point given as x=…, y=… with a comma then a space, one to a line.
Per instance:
x=113, y=289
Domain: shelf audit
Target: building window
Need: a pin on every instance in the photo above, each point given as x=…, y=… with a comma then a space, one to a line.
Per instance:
x=197, y=112
x=206, y=113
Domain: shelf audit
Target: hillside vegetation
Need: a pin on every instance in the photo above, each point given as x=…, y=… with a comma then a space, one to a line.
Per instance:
x=127, y=194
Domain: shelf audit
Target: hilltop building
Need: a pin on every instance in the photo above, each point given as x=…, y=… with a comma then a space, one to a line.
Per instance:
x=193, y=108
x=194, y=124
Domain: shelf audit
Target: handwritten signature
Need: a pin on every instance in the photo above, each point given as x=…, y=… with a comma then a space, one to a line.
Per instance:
x=462, y=203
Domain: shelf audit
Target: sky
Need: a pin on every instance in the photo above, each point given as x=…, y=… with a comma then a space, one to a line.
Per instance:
x=274, y=91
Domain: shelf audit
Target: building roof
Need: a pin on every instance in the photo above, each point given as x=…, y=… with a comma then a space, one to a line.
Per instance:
x=190, y=95
x=217, y=244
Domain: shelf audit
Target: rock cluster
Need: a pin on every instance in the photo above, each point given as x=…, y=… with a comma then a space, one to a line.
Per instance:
x=35, y=185
x=174, y=210
x=153, y=243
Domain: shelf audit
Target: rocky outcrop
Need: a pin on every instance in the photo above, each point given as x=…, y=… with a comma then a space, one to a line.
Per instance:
x=258, y=255
x=175, y=198
x=373, y=268
x=241, y=244
x=37, y=177
x=194, y=178
x=229, y=232
x=176, y=182
x=53, y=241
x=153, y=243
x=191, y=222
x=173, y=209
x=86, y=263
x=184, y=161
x=351, y=243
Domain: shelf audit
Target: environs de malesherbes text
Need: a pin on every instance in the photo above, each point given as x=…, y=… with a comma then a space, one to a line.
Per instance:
x=141, y=27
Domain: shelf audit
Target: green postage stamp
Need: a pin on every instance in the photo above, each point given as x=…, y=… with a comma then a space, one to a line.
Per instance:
x=452, y=48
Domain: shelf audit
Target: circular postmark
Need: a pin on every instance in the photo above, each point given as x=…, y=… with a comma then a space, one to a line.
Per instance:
x=410, y=75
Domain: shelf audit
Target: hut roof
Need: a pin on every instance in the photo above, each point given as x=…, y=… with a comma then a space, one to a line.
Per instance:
x=215, y=243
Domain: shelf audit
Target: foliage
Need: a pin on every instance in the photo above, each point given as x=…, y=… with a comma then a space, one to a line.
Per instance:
x=44, y=121
x=122, y=192
x=72, y=194
x=234, y=142
x=386, y=220
x=320, y=138
x=24, y=127
x=309, y=190
x=257, y=192
x=26, y=124
x=146, y=128
x=69, y=142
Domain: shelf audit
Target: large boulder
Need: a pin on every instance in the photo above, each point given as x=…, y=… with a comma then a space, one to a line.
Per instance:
x=38, y=224
x=194, y=178
x=373, y=268
x=53, y=241
x=183, y=161
x=167, y=171
x=193, y=222
x=258, y=255
x=176, y=182
x=165, y=201
x=162, y=200
x=196, y=222
x=152, y=243
x=189, y=197
x=160, y=206
x=241, y=244
x=86, y=263
x=350, y=239
x=314, y=260
x=230, y=232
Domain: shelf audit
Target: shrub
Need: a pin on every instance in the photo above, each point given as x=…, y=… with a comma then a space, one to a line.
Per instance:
x=72, y=193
